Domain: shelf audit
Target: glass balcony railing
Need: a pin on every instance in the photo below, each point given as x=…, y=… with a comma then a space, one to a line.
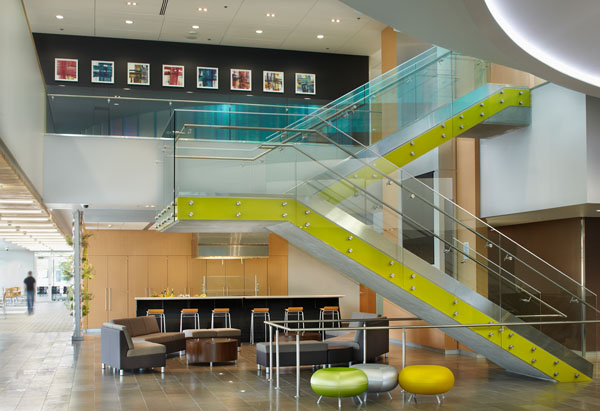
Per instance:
x=81, y=111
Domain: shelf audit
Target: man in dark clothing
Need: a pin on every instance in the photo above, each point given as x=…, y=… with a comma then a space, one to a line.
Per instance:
x=30, y=291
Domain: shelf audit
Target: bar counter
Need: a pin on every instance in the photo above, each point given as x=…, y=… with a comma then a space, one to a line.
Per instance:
x=239, y=307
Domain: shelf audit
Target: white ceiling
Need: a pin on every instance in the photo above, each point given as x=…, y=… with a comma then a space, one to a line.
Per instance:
x=566, y=31
x=227, y=22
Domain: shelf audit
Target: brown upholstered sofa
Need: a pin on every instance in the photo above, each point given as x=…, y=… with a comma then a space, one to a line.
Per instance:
x=146, y=329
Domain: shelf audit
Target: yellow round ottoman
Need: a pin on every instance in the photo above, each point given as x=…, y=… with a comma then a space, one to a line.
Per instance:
x=427, y=380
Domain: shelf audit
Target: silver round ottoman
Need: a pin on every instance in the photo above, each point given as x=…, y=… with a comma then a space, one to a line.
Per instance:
x=382, y=377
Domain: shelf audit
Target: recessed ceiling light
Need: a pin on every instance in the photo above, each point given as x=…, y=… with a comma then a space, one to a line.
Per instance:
x=60, y=16
x=131, y=3
x=128, y=21
x=320, y=36
x=335, y=20
x=270, y=14
x=110, y=225
x=203, y=9
x=259, y=31
x=195, y=27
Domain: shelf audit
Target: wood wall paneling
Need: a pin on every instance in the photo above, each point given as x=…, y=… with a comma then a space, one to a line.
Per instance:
x=215, y=277
x=98, y=313
x=137, y=278
x=277, y=272
x=177, y=273
x=117, y=286
x=157, y=273
x=256, y=267
x=277, y=245
x=196, y=273
x=234, y=272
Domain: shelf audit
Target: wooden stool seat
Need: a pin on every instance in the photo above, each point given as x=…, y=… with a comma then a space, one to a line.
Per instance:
x=295, y=309
x=220, y=310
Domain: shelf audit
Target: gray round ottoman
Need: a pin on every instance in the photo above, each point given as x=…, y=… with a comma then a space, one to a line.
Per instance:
x=382, y=377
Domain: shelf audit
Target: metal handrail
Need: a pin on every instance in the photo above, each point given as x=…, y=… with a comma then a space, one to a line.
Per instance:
x=271, y=146
x=280, y=325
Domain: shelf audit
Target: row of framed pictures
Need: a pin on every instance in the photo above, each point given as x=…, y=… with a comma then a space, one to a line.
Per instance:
x=138, y=74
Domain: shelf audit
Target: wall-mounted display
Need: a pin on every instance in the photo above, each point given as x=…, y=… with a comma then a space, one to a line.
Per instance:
x=138, y=74
x=103, y=72
x=273, y=81
x=241, y=80
x=173, y=76
x=306, y=83
x=207, y=77
x=66, y=70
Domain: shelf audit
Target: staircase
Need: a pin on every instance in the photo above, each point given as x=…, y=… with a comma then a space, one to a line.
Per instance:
x=351, y=206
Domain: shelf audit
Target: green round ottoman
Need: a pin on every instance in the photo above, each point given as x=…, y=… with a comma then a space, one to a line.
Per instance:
x=339, y=382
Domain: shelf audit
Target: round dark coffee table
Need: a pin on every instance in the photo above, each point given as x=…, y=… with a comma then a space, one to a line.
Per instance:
x=209, y=350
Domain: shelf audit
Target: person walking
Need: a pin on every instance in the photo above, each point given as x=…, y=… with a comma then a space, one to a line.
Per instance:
x=29, y=291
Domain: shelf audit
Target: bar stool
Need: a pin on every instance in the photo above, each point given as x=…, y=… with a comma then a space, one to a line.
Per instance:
x=220, y=312
x=189, y=312
x=297, y=311
x=258, y=312
x=160, y=314
x=334, y=312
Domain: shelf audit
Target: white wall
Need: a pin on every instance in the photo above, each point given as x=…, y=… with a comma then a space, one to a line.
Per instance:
x=308, y=275
x=593, y=149
x=104, y=172
x=541, y=166
x=14, y=265
x=22, y=96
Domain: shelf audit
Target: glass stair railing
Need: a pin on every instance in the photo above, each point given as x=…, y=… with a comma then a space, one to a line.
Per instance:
x=399, y=230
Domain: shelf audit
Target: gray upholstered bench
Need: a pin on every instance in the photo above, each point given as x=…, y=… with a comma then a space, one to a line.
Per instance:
x=311, y=353
x=119, y=351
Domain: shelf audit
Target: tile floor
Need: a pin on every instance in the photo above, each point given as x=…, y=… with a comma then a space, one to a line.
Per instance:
x=43, y=370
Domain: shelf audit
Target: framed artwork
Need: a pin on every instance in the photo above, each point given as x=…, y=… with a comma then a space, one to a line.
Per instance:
x=273, y=81
x=66, y=70
x=173, y=76
x=241, y=80
x=103, y=72
x=306, y=83
x=207, y=77
x=138, y=74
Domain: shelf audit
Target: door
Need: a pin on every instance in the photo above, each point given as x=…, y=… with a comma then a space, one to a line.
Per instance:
x=137, y=277
x=196, y=273
x=177, y=271
x=157, y=274
x=117, y=286
x=368, y=300
x=98, y=312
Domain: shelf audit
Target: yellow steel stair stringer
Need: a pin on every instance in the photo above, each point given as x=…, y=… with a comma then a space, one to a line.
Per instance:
x=274, y=209
x=436, y=136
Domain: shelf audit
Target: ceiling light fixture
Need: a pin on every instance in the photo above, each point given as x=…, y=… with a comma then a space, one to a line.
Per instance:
x=320, y=36
x=195, y=27
x=259, y=31
x=335, y=20
x=131, y=3
x=16, y=201
x=24, y=218
x=17, y=211
x=60, y=16
x=128, y=21
x=270, y=14
x=204, y=9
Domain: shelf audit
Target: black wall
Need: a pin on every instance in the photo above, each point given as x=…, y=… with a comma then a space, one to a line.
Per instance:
x=336, y=73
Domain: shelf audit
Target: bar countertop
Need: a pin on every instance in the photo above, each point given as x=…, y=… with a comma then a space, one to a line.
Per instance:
x=240, y=297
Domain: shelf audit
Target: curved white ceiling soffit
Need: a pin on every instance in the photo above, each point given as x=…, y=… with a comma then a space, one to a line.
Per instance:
x=553, y=39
